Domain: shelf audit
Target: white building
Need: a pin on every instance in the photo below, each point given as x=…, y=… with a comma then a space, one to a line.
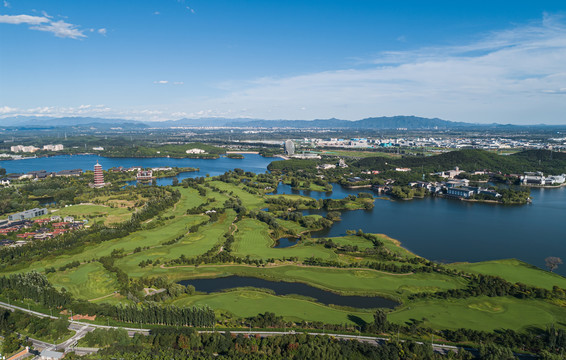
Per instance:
x=195, y=151
x=450, y=173
x=57, y=147
x=25, y=149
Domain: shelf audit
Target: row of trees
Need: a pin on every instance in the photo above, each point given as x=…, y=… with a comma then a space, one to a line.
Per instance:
x=488, y=285
x=168, y=343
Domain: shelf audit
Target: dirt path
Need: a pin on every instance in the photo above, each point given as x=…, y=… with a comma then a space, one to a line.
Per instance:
x=104, y=297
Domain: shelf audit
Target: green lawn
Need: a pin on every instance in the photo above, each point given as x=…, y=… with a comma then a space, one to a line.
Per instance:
x=250, y=201
x=514, y=270
x=246, y=303
x=481, y=313
x=191, y=245
x=110, y=215
x=87, y=281
x=358, y=241
x=253, y=239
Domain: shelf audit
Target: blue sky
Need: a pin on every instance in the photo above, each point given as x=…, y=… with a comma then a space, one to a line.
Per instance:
x=154, y=60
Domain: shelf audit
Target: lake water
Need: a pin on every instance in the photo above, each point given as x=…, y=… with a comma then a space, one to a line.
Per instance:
x=438, y=229
x=251, y=162
x=286, y=242
x=452, y=230
x=338, y=192
x=286, y=288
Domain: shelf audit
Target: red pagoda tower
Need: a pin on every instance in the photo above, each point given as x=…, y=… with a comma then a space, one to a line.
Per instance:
x=98, y=176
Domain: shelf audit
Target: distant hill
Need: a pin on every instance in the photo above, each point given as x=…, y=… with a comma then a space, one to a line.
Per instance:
x=472, y=160
x=392, y=122
x=27, y=122
x=374, y=123
x=201, y=122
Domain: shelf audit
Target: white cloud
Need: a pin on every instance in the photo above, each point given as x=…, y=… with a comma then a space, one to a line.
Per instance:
x=190, y=9
x=61, y=29
x=161, y=82
x=22, y=19
x=515, y=76
x=102, y=31
x=6, y=4
x=178, y=83
x=45, y=23
x=7, y=110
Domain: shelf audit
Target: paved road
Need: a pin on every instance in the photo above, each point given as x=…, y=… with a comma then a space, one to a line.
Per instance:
x=82, y=329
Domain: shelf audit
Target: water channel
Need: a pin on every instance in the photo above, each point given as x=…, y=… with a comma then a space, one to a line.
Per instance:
x=287, y=288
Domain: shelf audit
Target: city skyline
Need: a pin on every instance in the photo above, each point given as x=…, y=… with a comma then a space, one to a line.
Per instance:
x=161, y=60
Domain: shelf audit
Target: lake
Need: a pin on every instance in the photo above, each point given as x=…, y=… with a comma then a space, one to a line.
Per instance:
x=438, y=229
x=251, y=162
x=451, y=230
x=287, y=288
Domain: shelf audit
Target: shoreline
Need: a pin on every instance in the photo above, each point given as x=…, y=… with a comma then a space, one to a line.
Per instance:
x=546, y=186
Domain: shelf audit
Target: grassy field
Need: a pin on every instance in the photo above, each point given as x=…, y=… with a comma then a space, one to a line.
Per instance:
x=191, y=245
x=352, y=240
x=253, y=239
x=88, y=281
x=246, y=303
x=250, y=201
x=110, y=215
x=481, y=313
x=515, y=271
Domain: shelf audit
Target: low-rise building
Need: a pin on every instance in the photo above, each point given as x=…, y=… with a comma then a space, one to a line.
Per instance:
x=74, y=172
x=25, y=149
x=145, y=175
x=450, y=174
x=195, y=151
x=464, y=192
x=28, y=214
x=50, y=147
x=457, y=183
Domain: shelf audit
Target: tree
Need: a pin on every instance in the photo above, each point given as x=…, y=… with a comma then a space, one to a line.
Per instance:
x=379, y=320
x=11, y=344
x=552, y=262
x=175, y=181
x=494, y=352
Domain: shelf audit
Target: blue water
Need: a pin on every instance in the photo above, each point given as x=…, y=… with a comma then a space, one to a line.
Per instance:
x=438, y=229
x=338, y=192
x=286, y=242
x=452, y=230
x=252, y=162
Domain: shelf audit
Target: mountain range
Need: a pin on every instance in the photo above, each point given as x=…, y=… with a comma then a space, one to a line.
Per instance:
x=376, y=123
